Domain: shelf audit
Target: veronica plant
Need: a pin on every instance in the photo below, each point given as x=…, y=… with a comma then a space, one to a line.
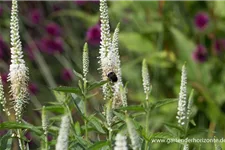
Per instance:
x=18, y=72
x=110, y=60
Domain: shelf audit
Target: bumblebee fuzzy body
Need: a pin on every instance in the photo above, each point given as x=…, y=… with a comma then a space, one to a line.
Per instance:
x=112, y=77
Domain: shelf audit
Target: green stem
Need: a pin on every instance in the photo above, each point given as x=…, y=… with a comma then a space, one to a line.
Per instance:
x=46, y=141
x=85, y=120
x=147, y=124
x=110, y=137
x=20, y=140
x=85, y=108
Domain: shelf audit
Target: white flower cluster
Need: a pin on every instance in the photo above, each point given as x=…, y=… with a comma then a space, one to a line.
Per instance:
x=186, y=146
x=44, y=120
x=63, y=137
x=133, y=134
x=85, y=60
x=18, y=72
x=182, y=101
x=121, y=142
x=145, y=78
x=109, y=58
x=3, y=99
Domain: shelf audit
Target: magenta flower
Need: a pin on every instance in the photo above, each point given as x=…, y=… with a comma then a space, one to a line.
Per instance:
x=200, y=54
x=219, y=45
x=80, y=3
x=51, y=45
x=33, y=88
x=93, y=35
x=35, y=16
x=50, y=138
x=53, y=29
x=66, y=74
x=201, y=20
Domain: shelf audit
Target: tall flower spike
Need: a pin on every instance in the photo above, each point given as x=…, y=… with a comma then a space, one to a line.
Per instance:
x=133, y=134
x=3, y=99
x=85, y=60
x=186, y=146
x=182, y=101
x=104, y=47
x=217, y=144
x=189, y=106
x=145, y=78
x=121, y=142
x=109, y=58
x=18, y=72
x=44, y=120
x=114, y=57
x=63, y=137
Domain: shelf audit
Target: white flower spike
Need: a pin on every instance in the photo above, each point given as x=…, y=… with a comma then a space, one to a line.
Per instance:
x=145, y=78
x=110, y=59
x=120, y=142
x=3, y=99
x=63, y=137
x=18, y=72
x=182, y=101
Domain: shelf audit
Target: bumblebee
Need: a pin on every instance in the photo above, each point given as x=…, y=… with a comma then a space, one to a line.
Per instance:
x=112, y=76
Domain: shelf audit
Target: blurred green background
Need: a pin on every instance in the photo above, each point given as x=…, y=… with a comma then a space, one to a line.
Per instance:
x=166, y=33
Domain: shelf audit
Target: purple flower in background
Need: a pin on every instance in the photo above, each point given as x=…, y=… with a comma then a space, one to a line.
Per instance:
x=33, y=88
x=35, y=16
x=53, y=29
x=201, y=20
x=200, y=54
x=1, y=11
x=219, y=45
x=4, y=78
x=95, y=1
x=93, y=35
x=51, y=45
x=3, y=48
x=66, y=74
x=57, y=7
x=29, y=50
x=80, y=3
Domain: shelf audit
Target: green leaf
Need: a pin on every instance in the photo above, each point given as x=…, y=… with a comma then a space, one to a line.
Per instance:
x=173, y=126
x=196, y=131
x=164, y=102
x=15, y=125
x=67, y=89
x=96, y=123
x=78, y=74
x=55, y=108
x=99, y=145
x=219, y=8
x=77, y=128
x=96, y=84
x=135, y=42
x=79, y=103
x=133, y=108
x=86, y=17
x=185, y=52
x=161, y=135
x=6, y=141
x=120, y=115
